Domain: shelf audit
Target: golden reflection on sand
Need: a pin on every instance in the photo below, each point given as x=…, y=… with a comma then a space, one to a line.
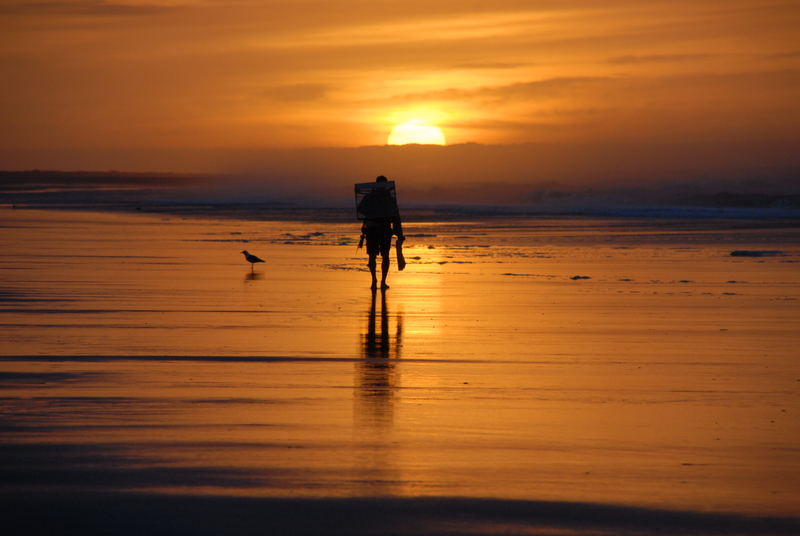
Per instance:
x=377, y=372
x=376, y=396
x=141, y=350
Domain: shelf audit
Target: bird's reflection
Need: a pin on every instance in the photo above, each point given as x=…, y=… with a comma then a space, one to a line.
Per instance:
x=253, y=276
x=377, y=377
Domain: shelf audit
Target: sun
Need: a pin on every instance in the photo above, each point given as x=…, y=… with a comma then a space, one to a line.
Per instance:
x=416, y=131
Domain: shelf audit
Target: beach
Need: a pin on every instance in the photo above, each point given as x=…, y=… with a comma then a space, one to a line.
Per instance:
x=597, y=331
x=523, y=375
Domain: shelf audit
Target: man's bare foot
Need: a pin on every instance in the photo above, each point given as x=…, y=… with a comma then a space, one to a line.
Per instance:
x=384, y=286
x=374, y=285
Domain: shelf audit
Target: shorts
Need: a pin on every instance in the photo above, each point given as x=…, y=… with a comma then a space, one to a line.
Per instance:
x=378, y=241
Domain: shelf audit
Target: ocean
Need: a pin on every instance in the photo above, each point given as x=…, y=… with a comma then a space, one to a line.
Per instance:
x=526, y=373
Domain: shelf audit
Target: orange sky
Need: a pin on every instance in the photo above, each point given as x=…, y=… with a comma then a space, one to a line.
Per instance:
x=104, y=80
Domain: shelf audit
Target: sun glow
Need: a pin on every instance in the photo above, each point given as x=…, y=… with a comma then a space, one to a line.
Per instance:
x=416, y=131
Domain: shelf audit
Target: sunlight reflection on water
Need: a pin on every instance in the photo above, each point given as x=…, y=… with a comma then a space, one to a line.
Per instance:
x=667, y=377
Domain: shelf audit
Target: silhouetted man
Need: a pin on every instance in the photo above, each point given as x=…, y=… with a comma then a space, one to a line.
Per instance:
x=381, y=220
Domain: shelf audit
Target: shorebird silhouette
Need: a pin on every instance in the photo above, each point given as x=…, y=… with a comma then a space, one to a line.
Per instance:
x=252, y=259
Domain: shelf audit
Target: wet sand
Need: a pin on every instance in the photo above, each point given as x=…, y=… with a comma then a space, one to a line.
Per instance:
x=536, y=376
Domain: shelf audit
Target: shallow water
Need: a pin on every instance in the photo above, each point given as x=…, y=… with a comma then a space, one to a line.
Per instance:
x=610, y=362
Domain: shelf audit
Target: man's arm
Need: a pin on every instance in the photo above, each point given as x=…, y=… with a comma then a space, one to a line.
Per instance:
x=397, y=227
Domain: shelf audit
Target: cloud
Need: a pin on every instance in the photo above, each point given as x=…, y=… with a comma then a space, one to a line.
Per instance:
x=563, y=86
x=551, y=87
x=659, y=58
x=490, y=65
x=792, y=54
x=96, y=8
x=528, y=126
x=296, y=92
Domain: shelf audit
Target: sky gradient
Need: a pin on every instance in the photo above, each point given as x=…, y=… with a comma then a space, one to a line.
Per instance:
x=192, y=85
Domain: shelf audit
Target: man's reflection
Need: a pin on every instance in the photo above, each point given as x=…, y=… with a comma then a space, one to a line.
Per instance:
x=376, y=371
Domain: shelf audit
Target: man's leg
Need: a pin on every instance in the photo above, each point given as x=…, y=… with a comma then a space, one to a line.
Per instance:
x=373, y=264
x=384, y=270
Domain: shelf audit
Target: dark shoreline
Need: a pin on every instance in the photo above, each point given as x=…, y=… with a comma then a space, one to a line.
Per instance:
x=126, y=513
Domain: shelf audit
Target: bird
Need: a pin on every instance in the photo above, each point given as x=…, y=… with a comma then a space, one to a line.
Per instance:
x=252, y=259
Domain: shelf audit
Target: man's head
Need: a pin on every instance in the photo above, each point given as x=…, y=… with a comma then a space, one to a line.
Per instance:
x=381, y=178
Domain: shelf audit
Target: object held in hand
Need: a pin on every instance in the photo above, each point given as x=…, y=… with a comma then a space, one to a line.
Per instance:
x=398, y=247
